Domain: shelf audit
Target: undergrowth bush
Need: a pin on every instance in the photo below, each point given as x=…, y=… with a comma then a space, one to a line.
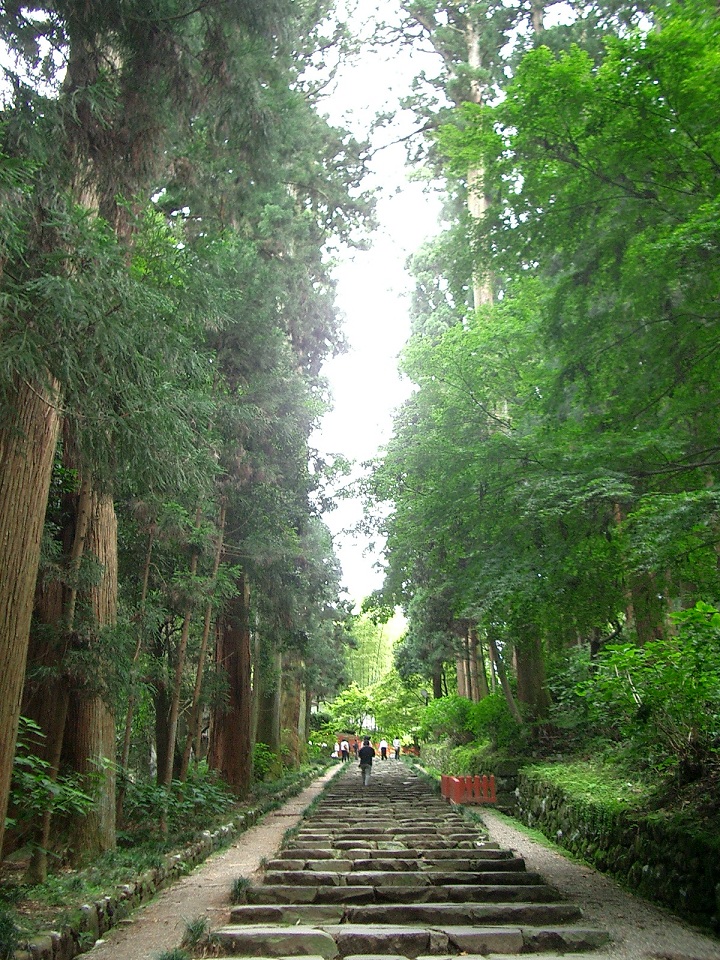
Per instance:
x=8, y=934
x=663, y=699
x=490, y=720
x=446, y=719
x=200, y=799
x=34, y=790
x=265, y=761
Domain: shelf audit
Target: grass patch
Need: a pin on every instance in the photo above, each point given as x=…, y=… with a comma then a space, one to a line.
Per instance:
x=196, y=932
x=238, y=888
x=594, y=783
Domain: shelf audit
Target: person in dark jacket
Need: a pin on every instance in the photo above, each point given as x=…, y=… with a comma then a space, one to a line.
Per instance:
x=365, y=755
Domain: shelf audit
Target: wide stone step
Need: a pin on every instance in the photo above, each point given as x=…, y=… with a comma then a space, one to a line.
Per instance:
x=401, y=877
x=366, y=878
x=345, y=940
x=530, y=890
x=466, y=956
x=428, y=914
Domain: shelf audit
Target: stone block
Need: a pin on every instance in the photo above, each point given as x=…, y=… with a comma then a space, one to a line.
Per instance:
x=485, y=940
x=263, y=941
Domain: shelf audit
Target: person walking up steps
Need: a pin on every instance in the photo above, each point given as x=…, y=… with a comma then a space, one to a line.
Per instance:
x=366, y=754
x=345, y=750
x=396, y=747
x=383, y=748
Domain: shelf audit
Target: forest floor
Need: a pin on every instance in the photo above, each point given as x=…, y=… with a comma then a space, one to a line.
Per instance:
x=639, y=930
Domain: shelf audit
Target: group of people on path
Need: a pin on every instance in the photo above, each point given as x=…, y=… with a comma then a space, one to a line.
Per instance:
x=366, y=753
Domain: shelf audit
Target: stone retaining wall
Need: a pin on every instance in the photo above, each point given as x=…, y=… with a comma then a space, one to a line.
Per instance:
x=653, y=857
x=98, y=917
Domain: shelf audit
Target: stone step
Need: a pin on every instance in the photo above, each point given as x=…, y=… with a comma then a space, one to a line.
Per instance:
x=389, y=863
x=427, y=914
x=369, y=880
x=466, y=956
x=345, y=940
x=378, y=878
x=530, y=890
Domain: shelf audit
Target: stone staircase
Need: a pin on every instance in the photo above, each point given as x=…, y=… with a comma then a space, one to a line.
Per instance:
x=392, y=871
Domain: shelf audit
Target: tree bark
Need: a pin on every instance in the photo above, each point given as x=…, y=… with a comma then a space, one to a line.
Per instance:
x=502, y=676
x=530, y=667
x=193, y=737
x=268, y=670
x=132, y=699
x=292, y=703
x=46, y=700
x=176, y=691
x=479, y=661
x=90, y=735
x=461, y=670
x=437, y=681
x=231, y=740
x=27, y=449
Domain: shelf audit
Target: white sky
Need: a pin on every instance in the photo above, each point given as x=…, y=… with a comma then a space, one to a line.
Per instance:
x=372, y=293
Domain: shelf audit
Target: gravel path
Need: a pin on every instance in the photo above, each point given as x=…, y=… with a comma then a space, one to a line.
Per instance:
x=639, y=930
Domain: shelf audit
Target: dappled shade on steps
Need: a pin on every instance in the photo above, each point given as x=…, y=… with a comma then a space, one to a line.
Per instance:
x=391, y=870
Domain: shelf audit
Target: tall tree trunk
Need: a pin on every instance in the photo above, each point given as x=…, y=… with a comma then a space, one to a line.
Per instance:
x=292, y=704
x=530, y=670
x=231, y=740
x=477, y=198
x=132, y=699
x=307, y=727
x=46, y=700
x=90, y=735
x=193, y=737
x=27, y=449
x=437, y=681
x=268, y=670
x=472, y=643
x=648, y=607
x=503, y=677
x=176, y=691
x=479, y=661
x=461, y=670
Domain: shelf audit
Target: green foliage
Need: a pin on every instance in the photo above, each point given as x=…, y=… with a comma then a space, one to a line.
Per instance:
x=201, y=798
x=34, y=790
x=320, y=719
x=490, y=719
x=265, y=762
x=447, y=718
x=569, y=711
x=552, y=474
x=663, y=698
x=350, y=710
x=596, y=784
x=397, y=705
x=196, y=932
x=369, y=653
x=176, y=953
x=238, y=889
x=9, y=934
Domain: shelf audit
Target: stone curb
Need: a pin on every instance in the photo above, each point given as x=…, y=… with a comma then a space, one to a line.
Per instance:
x=101, y=915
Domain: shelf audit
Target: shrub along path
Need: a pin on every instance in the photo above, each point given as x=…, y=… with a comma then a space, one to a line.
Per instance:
x=392, y=871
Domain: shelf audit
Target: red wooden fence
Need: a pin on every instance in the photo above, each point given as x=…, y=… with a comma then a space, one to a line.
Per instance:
x=468, y=789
